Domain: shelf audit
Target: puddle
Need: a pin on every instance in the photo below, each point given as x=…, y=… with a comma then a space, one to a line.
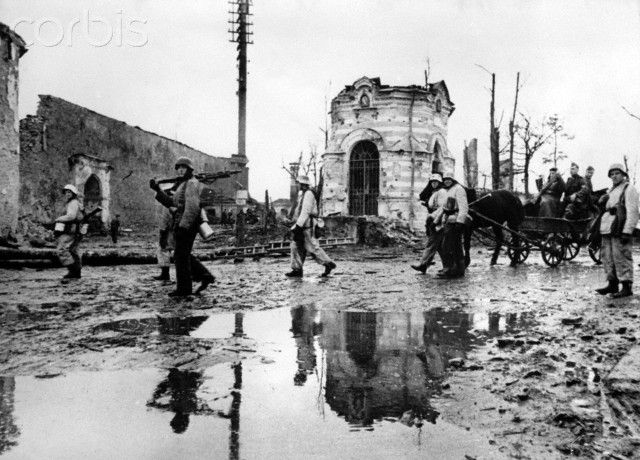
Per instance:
x=323, y=384
x=160, y=325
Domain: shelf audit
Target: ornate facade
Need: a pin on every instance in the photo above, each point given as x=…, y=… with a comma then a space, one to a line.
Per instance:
x=385, y=141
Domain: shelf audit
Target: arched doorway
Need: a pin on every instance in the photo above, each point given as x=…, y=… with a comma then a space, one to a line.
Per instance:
x=436, y=166
x=364, y=179
x=93, y=199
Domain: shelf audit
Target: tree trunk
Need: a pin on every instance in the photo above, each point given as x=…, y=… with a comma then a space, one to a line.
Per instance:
x=527, y=158
x=493, y=141
x=511, y=132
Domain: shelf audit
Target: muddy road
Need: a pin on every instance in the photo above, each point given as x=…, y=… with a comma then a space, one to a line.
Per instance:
x=375, y=361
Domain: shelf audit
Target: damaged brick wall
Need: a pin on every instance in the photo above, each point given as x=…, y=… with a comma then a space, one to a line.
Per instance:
x=11, y=49
x=61, y=129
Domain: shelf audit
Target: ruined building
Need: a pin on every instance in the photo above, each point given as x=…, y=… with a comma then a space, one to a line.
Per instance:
x=385, y=141
x=108, y=161
x=12, y=47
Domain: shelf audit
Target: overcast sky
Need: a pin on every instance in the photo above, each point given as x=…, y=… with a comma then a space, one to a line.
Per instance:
x=172, y=70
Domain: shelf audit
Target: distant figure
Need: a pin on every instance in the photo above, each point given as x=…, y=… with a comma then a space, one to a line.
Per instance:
x=115, y=228
x=69, y=238
x=549, y=197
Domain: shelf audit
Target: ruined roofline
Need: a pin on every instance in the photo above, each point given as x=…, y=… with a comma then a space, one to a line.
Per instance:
x=14, y=37
x=44, y=97
x=429, y=89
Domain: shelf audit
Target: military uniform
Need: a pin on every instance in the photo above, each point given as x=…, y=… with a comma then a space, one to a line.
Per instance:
x=617, y=237
x=434, y=224
x=304, y=240
x=456, y=213
x=69, y=240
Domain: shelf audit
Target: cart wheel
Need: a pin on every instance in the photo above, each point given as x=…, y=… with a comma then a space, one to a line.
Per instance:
x=553, y=251
x=572, y=248
x=594, y=253
x=520, y=255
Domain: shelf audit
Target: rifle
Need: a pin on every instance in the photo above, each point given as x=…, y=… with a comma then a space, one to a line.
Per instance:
x=205, y=178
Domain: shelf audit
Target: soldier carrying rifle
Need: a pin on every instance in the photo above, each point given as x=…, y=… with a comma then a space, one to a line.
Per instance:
x=187, y=217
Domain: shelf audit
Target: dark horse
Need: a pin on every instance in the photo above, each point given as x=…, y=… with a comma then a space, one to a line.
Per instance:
x=501, y=206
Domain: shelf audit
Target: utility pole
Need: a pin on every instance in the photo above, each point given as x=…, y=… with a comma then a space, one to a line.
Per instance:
x=242, y=35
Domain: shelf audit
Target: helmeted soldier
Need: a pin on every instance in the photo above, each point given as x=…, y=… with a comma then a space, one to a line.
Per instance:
x=70, y=237
x=456, y=213
x=303, y=239
x=616, y=227
x=435, y=221
x=186, y=200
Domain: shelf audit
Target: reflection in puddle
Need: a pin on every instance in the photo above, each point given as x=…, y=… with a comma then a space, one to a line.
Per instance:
x=163, y=325
x=322, y=383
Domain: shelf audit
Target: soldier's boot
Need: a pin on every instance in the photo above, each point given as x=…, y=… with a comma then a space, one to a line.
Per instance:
x=294, y=274
x=611, y=288
x=74, y=272
x=625, y=292
x=164, y=275
x=420, y=268
x=327, y=268
x=206, y=281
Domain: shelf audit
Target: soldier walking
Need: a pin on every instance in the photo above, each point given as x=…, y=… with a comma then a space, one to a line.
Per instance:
x=616, y=227
x=186, y=200
x=435, y=204
x=303, y=240
x=69, y=239
x=456, y=212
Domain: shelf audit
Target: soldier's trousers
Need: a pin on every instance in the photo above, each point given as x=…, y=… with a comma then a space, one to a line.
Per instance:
x=452, y=251
x=434, y=241
x=188, y=267
x=617, y=259
x=311, y=246
x=69, y=249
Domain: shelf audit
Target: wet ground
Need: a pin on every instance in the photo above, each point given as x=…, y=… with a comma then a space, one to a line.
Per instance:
x=375, y=361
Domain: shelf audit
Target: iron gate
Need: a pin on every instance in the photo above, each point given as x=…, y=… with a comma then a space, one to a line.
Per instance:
x=364, y=179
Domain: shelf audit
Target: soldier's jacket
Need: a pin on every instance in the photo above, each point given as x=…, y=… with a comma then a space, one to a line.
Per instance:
x=631, y=202
x=578, y=185
x=306, y=209
x=186, y=200
x=458, y=192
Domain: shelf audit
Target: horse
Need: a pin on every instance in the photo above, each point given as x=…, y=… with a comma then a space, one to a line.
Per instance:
x=499, y=207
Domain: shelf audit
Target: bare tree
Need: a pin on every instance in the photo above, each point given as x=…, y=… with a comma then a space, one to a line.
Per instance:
x=512, y=123
x=556, y=125
x=630, y=114
x=533, y=139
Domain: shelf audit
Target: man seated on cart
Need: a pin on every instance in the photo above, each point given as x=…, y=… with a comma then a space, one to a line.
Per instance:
x=549, y=196
x=576, y=196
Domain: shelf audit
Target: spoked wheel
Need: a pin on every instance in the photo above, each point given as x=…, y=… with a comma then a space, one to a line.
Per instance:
x=553, y=250
x=594, y=253
x=572, y=248
x=519, y=254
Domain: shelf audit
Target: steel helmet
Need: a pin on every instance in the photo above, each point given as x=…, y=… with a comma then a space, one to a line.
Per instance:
x=448, y=175
x=436, y=177
x=303, y=180
x=619, y=167
x=71, y=188
x=184, y=161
